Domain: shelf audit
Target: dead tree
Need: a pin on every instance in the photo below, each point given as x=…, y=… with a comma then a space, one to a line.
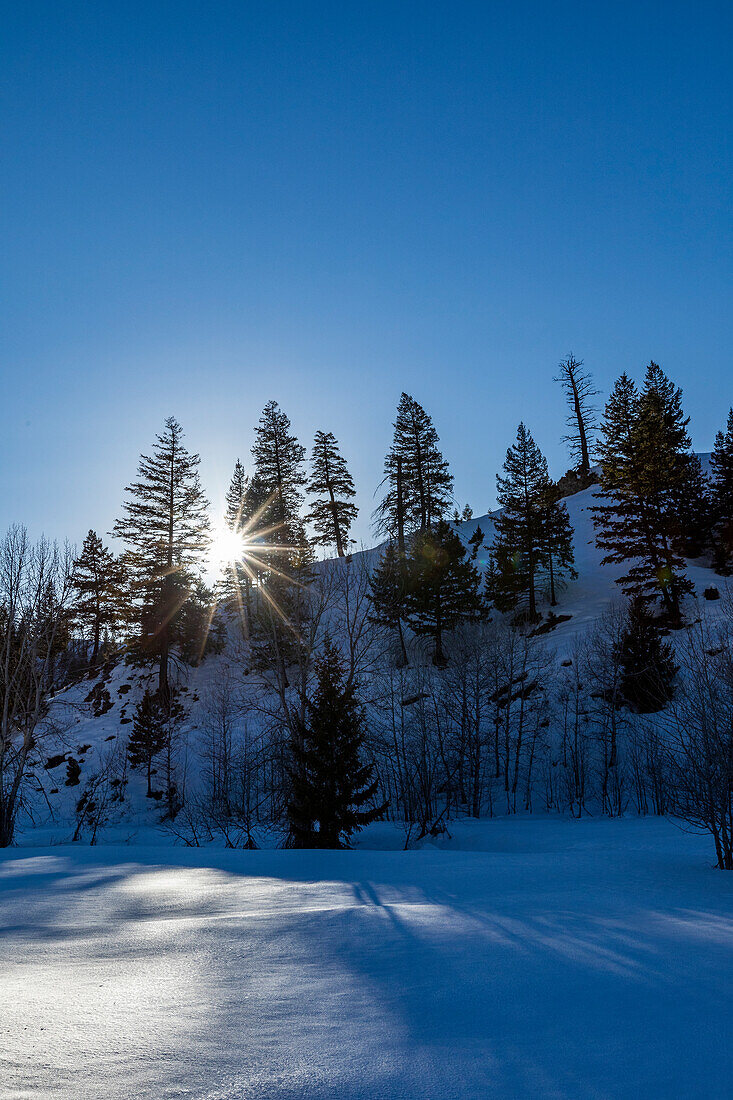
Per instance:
x=581, y=421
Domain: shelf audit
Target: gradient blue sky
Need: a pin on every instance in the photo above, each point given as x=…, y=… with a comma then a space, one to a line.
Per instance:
x=205, y=205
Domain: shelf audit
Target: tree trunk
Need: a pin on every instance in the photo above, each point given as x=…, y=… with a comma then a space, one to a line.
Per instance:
x=584, y=455
x=400, y=511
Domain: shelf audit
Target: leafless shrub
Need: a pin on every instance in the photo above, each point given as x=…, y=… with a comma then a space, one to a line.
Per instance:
x=35, y=589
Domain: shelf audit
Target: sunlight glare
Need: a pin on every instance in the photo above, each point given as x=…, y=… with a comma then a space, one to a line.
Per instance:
x=227, y=546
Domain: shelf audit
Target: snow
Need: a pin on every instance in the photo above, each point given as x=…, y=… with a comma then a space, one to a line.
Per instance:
x=522, y=957
x=584, y=600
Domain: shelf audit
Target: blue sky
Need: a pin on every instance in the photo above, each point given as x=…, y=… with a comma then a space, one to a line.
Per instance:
x=207, y=205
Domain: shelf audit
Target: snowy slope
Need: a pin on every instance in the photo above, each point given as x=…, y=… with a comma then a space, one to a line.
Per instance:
x=584, y=599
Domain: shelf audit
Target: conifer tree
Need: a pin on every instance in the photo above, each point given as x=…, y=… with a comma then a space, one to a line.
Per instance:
x=236, y=498
x=419, y=485
x=165, y=526
x=721, y=466
x=519, y=550
x=578, y=387
x=390, y=515
x=333, y=512
x=556, y=537
x=148, y=737
x=389, y=586
x=331, y=784
x=443, y=584
x=98, y=582
x=236, y=585
x=278, y=461
x=647, y=663
x=646, y=469
x=282, y=554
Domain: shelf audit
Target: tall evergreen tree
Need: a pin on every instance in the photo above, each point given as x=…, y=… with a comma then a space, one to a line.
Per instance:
x=520, y=545
x=279, y=461
x=646, y=469
x=578, y=387
x=419, y=485
x=236, y=585
x=331, y=784
x=236, y=498
x=98, y=582
x=165, y=526
x=721, y=466
x=333, y=511
x=443, y=584
x=281, y=553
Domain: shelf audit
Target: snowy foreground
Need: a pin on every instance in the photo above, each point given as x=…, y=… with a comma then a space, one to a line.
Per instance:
x=528, y=958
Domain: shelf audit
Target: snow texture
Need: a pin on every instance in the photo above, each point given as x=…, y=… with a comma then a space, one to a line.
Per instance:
x=527, y=958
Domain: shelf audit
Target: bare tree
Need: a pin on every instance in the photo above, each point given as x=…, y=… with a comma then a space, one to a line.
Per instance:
x=582, y=423
x=699, y=725
x=103, y=793
x=35, y=589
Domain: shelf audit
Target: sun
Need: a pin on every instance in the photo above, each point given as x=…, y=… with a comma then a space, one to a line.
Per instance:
x=227, y=546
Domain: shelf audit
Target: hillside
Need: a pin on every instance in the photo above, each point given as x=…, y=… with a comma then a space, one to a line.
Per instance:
x=93, y=718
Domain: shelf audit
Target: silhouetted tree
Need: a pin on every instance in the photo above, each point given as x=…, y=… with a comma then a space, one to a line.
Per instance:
x=578, y=386
x=98, y=581
x=419, y=485
x=519, y=550
x=557, y=540
x=443, y=584
x=389, y=584
x=647, y=663
x=645, y=471
x=148, y=736
x=331, y=784
x=333, y=511
x=165, y=526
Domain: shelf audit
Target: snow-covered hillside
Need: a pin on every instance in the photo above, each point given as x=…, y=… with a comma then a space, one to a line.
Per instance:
x=94, y=717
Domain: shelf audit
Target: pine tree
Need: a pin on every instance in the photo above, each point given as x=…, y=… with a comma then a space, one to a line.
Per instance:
x=578, y=387
x=443, y=585
x=278, y=461
x=389, y=586
x=281, y=553
x=165, y=526
x=236, y=498
x=519, y=550
x=647, y=663
x=98, y=582
x=331, y=786
x=646, y=470
x=419, y=485
x=333, y=512
x=721, y=466
x=556, y=537
x=234, y=590
x=148, y=737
